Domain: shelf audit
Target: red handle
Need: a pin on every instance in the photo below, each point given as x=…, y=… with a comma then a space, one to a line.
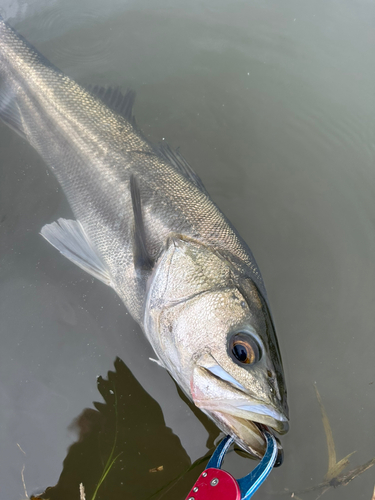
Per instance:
x=215, y=484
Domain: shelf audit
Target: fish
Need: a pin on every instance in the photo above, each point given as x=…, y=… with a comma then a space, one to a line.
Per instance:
x=146, y=226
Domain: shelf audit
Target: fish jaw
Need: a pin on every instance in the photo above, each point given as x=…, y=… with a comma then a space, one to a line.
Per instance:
x=234, y=410
x=245, y=432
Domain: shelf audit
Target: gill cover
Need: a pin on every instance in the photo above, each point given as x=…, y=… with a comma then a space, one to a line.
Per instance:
x=185, y=273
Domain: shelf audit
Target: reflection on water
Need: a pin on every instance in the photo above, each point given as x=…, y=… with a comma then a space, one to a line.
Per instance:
x=272, y=103
x=128, y=431
x=124, y=448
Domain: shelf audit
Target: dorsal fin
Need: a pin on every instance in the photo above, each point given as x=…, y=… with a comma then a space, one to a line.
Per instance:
x=178, y=161
x=123, y=105
x=142, y=259
x=117, y=101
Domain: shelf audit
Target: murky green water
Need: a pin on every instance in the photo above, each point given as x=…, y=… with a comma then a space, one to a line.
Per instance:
x=273, y=105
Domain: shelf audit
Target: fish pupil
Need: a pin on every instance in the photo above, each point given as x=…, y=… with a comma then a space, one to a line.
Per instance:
x=240, y=352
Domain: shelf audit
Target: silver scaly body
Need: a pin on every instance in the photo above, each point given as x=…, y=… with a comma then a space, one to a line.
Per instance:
x=146, y=226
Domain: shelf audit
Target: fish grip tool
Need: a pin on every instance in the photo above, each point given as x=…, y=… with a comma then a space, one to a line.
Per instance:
x=217, y=484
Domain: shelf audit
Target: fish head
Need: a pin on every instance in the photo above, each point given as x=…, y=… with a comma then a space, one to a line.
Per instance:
x=212, y=329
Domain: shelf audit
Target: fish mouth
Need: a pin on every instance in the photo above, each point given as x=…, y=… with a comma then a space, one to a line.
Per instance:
x=234, y=410
x=249, y=435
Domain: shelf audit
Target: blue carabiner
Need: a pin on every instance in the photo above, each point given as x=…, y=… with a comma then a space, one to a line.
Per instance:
x=250, y=483
x=243, y=488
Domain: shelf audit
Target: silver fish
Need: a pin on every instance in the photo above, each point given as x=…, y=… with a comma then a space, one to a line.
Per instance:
x=146, y=226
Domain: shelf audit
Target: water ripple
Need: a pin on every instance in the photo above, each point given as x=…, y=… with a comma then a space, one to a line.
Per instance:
x=84, y=38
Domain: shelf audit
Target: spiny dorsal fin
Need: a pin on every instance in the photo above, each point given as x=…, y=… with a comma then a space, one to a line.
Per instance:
x=142, y=259
x=117, y=101
x=70, y=239
x=178, y=161
x=123, y=104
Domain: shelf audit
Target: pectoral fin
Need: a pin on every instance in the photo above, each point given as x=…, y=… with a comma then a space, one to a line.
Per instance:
x=70, y=239
x=142, y=258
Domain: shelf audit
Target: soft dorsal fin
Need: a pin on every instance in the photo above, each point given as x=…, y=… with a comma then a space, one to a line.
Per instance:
x=178, y=161
x=70, y=239
x=117, y=101
x=142, y=259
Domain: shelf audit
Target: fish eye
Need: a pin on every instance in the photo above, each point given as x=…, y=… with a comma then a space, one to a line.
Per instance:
x=244, y=349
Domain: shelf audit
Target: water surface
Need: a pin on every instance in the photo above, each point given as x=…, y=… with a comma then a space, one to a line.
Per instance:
x=273, y=105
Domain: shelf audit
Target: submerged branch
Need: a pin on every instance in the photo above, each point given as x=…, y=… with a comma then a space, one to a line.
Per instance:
x=334, y=476
x=328, y=432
